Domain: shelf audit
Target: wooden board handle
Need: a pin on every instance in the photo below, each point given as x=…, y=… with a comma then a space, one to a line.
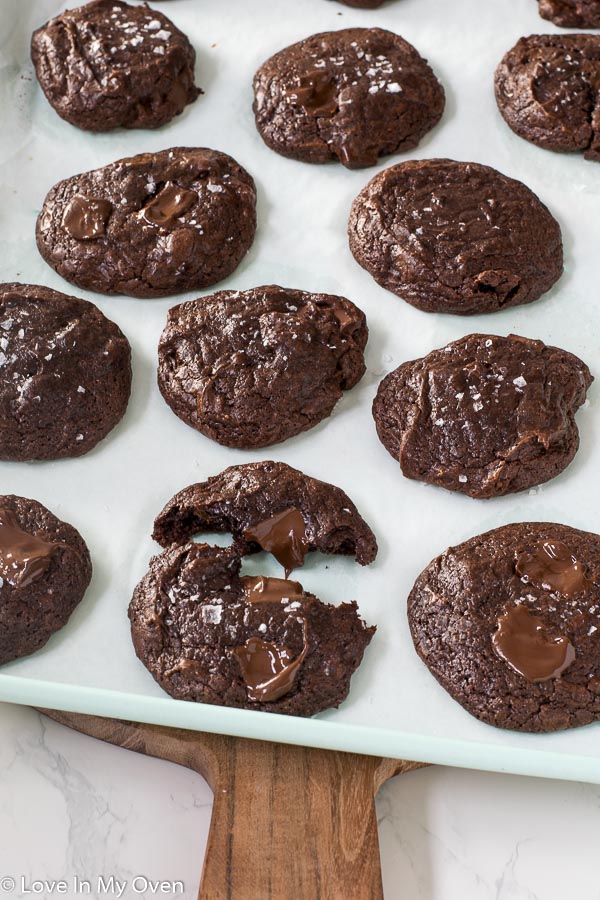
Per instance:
x=293, y=822
x=288, y=823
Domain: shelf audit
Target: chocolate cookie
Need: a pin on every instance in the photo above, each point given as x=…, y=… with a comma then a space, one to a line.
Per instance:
x=571, y=13
x=65, y=374
x=150, y=225
x=547, y=91
x=45, y=569
x=251, y=368
x=270, y=506
x=107, y=64
x=352, y=95
x=508, y=623
x=455, y=237
x=486, y=415
x=209, y=635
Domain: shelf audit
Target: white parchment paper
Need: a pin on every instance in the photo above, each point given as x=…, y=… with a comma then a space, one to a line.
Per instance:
x=112, y=495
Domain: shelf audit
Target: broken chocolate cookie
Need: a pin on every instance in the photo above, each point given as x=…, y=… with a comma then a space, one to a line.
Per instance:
x=208, y=635
x=269, y=506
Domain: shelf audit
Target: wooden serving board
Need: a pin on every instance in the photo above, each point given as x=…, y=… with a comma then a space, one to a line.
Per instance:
x=288, y=823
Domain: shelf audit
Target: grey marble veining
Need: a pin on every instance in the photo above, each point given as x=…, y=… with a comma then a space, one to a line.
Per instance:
x=74, y=808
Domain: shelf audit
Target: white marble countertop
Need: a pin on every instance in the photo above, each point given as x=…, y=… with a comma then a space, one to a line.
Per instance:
x=71, y=807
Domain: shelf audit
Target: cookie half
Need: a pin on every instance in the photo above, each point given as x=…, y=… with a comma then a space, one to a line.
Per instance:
x=486, y=415
x=455, y=237
x=571, y=13
x=65, y=374
x=547, y=91
x=270, y=506
x=351, y=95
x=252, y=368
x=206, y=634
x=45, y=569
x=108, y=64
x=150, y=225
x=509, y=624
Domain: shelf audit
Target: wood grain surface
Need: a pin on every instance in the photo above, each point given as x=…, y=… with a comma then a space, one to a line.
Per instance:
x=288, y=823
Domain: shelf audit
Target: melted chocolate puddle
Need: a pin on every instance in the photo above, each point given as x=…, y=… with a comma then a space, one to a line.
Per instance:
x=268, y=669
x=317, y=93
x=169, y=204
x=550, y=566
x=283, y=535
x=85, y=218
x=23, y=556
x=262, y=589
x=523, y=642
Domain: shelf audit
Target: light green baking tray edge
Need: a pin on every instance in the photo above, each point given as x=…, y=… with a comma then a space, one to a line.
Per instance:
x=395, y=744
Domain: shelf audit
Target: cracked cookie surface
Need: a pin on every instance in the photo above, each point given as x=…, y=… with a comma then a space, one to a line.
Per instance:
x=252, y=368
x=109, y=64
x=486, y=415
x=458, y=612
x=208, y=635
x=547, y=90
x=242, y=496
x=45, y=569
x=571, y=13
x=455, y=237
x=150, y=225
x=65, y=374
x=351, y=95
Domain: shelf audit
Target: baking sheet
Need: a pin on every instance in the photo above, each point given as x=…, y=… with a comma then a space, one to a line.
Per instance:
x=395, y=707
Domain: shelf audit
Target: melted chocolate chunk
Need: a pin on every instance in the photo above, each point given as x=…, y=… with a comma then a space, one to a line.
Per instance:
x=85, y=218
x=268, y=669
x=317, y=93
x=283, y=535
x=171, y=202
x=523, y=642
x=343, y=317
x=261, y=589
x=24, y=557
x=550, y=566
